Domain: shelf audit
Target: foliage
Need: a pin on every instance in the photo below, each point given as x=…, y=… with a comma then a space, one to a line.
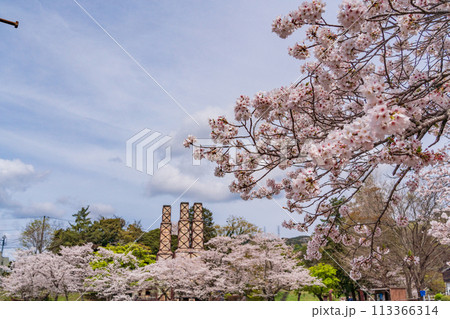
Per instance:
x=297, y=241
x=82, y=222
x=151, y=240
x=407, y=251
x=327, y=275
x=255, y=267
x=101, y=232
x=236, y=226
x=114, y=275
x=142, y=253
x=37, y=235
x=106, y=231
x=435, y=281
x=294, y=296
x=334, y=254
x=76, y=234
x=131, y=233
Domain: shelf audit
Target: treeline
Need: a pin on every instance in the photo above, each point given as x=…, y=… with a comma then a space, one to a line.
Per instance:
x=115, y=231
x=40, y=235
x=408, y=255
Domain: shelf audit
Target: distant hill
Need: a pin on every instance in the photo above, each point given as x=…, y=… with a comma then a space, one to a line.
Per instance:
x=299, y=240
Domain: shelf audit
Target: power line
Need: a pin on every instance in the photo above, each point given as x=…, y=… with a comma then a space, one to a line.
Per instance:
x=37, y=217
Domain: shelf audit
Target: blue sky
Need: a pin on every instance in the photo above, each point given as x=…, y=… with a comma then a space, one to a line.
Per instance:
x=70, y=98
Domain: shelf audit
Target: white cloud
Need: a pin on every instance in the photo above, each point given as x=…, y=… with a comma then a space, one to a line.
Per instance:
x=100, y=209
x=170, y=180
x=16, y=175
x=71, y=105
x=42, y=209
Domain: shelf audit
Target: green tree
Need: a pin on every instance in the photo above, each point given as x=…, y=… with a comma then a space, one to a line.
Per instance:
x=151, y=240
x=334, y=252
x=102, y=232
x=76, y=234
x=327, y=274
x=37, y=235
x=237, y=226
x=143, y=254
x=131, y=234
x=106, y=231
x=82, y=222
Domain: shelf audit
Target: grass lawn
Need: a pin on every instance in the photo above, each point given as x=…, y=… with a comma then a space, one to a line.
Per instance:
x=306, y=296
x=72, y=297
x=4, y=298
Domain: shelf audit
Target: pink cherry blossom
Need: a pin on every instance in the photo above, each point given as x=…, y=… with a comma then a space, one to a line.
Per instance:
x=372, y=93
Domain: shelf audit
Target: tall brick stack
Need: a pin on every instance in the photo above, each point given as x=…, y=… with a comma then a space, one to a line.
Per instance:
x=184, y=232
x=165, y=235
x=197, y=230
x=190, y=232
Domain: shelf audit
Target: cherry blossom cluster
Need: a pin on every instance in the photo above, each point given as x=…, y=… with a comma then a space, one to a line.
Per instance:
x=412, y=260
x=298, y=51
x=351, y=14
x=38, y=276
x=402, y=221
x=308, y=12
x=259, y=265
x=441, y=230
x=372, y=92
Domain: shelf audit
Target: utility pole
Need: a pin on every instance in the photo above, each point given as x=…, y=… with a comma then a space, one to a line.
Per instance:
x=3, y=243
x=41, y=244
x=15, y=24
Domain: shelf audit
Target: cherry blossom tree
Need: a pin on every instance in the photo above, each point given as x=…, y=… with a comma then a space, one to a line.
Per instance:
x=39, y=276
x=114, y=276
x=258, y=265
x=407, y=251
x=25, y=280
x=245, y=266
x=78, y=259
x=441, y=230
x=413, y=252
x=186, y=278
x=414, y=246
x=437, y=183
x=374, y=90
x=237, y=225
